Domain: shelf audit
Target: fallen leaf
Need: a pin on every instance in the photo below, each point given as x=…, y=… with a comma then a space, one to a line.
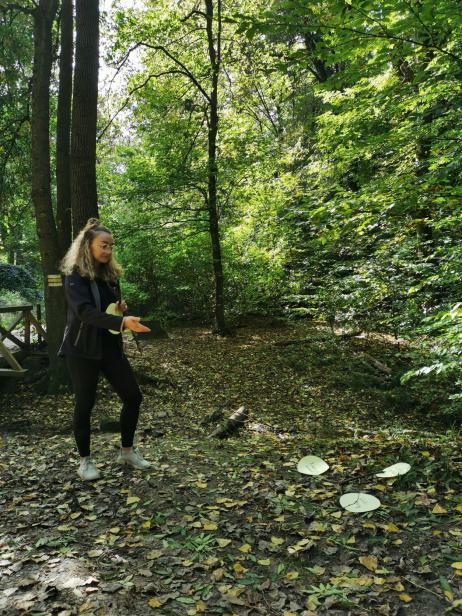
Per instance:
x=391, y=528
x=131, y=500
x=238, y=568
x=223, y=542
x=370, y=562
x=277, y=540
x=301, y=546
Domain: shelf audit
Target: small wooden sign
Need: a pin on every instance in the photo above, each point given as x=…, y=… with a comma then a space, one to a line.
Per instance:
x=54, y=280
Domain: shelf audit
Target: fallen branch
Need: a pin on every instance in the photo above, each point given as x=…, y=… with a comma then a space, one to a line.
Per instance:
x=232, y=424
x=378, y=364
x=287, y=342
x=216, y=415
x=347, y=335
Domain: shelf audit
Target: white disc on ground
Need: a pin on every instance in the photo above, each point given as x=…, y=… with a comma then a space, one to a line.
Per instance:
x=312, y=465
x=400, y=468
x=358, y=502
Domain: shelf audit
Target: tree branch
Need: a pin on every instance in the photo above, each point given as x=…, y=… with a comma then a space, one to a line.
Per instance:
x=191, y=13
x=132, y=91
x=178, y=62
x=386, y=36
x=193, y=142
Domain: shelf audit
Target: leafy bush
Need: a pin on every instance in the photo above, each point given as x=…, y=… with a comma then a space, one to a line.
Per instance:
x=441, y=375
x=18, y=279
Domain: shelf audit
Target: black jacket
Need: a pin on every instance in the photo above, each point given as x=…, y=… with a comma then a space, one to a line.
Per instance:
x=85, y=320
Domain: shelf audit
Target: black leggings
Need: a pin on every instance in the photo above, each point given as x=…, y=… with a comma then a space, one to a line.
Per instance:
x=84, y=374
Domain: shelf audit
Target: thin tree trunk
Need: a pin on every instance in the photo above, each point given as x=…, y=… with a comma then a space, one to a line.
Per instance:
x=44, y=15
x=84, y=197
x=215, y=60
x=319, y=67
x=63, y=129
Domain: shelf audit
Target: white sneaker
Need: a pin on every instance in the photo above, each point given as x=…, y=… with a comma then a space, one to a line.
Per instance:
x=87, y=470
x=133, y=458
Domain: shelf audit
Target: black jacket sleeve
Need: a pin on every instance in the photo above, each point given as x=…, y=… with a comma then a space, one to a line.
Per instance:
x=80, y=301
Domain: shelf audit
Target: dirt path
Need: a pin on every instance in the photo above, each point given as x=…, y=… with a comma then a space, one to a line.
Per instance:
x=231, y=527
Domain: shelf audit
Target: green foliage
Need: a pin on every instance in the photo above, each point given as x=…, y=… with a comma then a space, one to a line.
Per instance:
x=18, y=280
x=16, y=222
x=442, y=373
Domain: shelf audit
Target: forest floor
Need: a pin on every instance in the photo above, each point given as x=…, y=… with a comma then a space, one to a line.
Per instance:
x=230, y=526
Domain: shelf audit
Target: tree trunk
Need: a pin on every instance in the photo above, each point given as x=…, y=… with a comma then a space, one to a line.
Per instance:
x=84, y=197
x=63, y=128
x=44, y=15
x=320, y=69
x=215, y=59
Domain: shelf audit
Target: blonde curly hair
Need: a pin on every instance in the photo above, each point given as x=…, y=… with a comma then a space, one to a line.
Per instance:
x=79, y=256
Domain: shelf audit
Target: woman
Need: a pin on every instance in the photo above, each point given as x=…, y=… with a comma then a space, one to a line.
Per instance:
x=92, y=283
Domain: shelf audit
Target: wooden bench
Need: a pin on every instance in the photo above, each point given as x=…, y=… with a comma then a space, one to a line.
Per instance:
x=29, y=319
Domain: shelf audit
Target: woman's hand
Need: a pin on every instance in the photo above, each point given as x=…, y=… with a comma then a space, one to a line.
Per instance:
x=133, y=323
x=121, y=306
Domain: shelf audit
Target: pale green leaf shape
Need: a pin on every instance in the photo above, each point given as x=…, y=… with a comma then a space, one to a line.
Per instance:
x=400, y=468
x=112, y=309
x=312, y=465
x=358, y=502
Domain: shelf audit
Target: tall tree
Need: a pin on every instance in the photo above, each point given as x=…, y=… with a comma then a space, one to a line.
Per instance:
x=189, y=46
x=63, y=127
x=214, y=47
x=44, y=15
x=84, y=198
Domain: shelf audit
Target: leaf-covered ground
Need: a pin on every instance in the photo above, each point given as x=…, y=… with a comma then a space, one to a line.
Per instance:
x=230, y=526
